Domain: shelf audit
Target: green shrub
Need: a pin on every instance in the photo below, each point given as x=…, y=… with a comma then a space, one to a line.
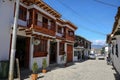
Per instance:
x=44, y=63
x=35, y=67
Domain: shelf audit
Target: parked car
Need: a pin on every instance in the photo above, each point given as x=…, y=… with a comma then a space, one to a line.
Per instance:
x=101, y=57
x=92, y=56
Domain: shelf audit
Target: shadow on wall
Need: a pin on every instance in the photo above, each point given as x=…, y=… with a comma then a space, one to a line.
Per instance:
x=117, y=76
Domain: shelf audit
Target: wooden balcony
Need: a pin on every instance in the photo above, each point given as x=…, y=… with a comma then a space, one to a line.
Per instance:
x=70, y=38
x=60, y=35
x=69, y=34
x=42, y=27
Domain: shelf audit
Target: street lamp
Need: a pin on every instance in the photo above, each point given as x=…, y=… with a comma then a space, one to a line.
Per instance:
x=13, y=46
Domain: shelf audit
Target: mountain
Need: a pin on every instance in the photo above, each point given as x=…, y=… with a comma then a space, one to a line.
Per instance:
x=97, y=46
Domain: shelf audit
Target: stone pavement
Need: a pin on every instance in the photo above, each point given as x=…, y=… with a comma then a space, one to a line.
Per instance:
x=87, y=70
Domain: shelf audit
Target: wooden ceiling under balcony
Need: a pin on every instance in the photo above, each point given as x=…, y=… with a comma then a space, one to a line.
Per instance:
x=42, y=5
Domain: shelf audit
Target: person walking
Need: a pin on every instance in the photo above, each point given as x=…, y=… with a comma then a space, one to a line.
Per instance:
x=78, y=56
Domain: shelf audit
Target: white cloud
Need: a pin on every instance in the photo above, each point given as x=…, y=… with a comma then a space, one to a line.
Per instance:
x=99, y=42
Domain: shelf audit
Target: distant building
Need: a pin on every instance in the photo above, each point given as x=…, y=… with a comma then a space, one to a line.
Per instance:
x=113, y=40
x=92, y=51
x=82, y=48
x=105, y=50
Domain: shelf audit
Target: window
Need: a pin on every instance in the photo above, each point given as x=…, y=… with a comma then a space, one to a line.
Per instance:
x=70, y=33
x=45, y=22
x=22, y=13
x=53, y=25
x=117, y=50
x=75, y=53
x=59, y=29
x=41, y=49
x=62, y=52
x=113, y=49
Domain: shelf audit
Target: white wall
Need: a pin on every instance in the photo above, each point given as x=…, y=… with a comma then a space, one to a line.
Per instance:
x=6, y=17
x=116, y=60
x=21, y=22
x=59, y=61
x=37, y=59
x=75, y=58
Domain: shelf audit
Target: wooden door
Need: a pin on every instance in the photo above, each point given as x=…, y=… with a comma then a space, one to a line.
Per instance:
x=27, y=52
x=69, y=53
x=53, y=52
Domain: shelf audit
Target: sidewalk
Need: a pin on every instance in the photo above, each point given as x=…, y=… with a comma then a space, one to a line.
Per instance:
x=87, y=70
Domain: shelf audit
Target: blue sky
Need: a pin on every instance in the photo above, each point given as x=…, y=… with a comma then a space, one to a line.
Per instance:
x=93, y=18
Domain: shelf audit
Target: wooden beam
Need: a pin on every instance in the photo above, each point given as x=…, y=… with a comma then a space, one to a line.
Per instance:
x=33, y=17
x=48, y=9
x=37, y=2
x=21, y=29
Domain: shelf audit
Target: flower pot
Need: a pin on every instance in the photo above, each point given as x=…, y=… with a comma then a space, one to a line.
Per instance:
x=34, y=76
x=44, y=71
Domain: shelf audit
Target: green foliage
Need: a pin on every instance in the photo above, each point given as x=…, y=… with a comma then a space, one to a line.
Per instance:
x=35, y=67
x=44, y=63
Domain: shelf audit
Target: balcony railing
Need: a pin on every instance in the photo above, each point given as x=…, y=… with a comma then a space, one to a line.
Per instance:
x=60, y=35
x=71, y=38
x=42, y=27
x=42, y=24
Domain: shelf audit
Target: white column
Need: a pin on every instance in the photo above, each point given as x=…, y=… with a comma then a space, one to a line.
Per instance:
x=65, y=52
x=58, y=59
x=48, y=50
x=31, y=53
x=73, y=52
x=66, y=49
x=28, y=15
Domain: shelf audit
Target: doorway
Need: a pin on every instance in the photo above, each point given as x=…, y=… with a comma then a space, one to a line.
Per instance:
x=69, y=53
x=53, y=52
x=22, y=51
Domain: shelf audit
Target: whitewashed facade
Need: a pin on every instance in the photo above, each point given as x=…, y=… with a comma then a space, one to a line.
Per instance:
x=82, y=48
x=6, y=18
x=6, y=23
x=113, y=40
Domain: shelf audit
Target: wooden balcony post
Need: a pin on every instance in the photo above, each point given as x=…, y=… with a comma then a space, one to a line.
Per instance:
x=33, y=18
x=64, y=31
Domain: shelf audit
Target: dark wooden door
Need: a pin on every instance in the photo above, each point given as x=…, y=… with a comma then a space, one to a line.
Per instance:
x=27, y=52
x=69, y=53
x=22, y=51
x=53, y=52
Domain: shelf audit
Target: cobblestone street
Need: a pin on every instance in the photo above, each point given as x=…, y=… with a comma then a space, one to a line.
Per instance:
x=87, y=70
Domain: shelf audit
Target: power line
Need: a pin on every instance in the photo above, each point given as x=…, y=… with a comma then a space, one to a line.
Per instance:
x=88, y=29
x=83, y=27
x=108, y=4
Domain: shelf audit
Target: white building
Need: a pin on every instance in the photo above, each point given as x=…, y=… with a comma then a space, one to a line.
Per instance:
x=82, y=48
x=37, y=22
x=113, y=40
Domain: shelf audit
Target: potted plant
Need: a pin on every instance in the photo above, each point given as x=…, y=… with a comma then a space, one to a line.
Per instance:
x=34, y=70
x=44, y=66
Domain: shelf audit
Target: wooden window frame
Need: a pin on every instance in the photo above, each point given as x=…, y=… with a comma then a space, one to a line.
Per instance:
x=22, y=13
x=41, y=49
x=61, y=48
x=59, y=29
x=70, y=33
x=45, y=22
x=53, y=25
x=116, y=50
x=113, y=49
